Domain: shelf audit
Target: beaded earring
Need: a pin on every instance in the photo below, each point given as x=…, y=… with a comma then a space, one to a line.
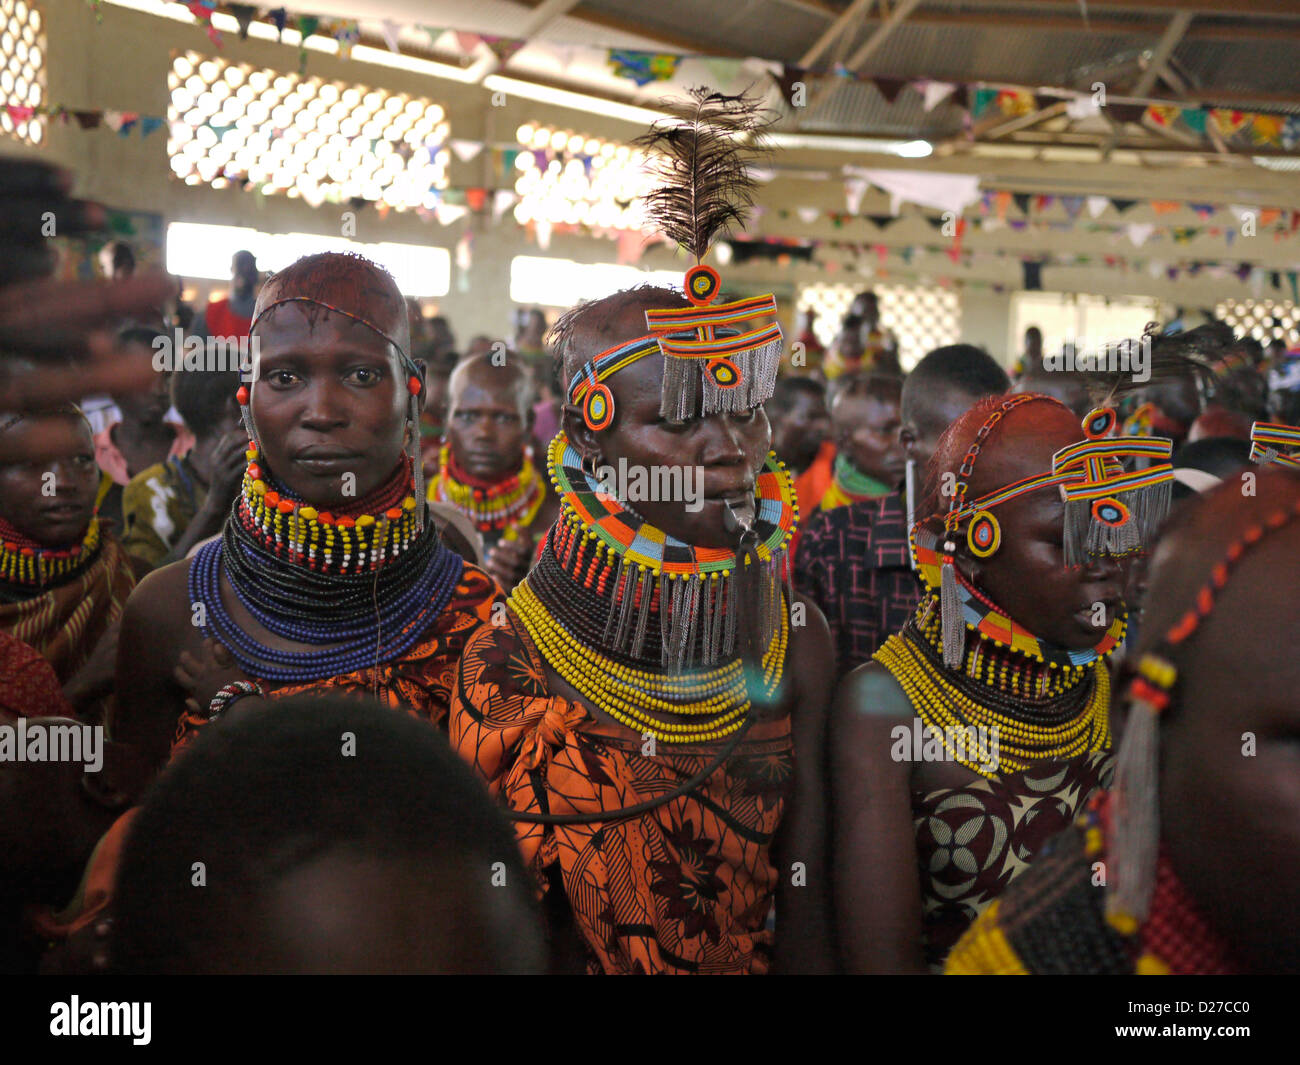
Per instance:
x=414, y=386
x=246, y=415
x=983, y=534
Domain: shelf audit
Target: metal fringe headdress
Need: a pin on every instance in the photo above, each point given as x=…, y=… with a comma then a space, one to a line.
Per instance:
x=703, y=156
x=1091, y=478
x=715, y=360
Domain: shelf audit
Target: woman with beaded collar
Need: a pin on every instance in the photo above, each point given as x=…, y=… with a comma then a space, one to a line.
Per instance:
x=982, y=728
x=641, y=712
x=1199, y=836
x=63, y=578
x=328, y=573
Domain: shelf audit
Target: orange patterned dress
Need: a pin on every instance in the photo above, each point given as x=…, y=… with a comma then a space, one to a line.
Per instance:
x=684, y=888
x=419, y=682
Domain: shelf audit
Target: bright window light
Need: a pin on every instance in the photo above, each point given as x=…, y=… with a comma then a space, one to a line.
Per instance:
x=195, y=250
x=563, y=283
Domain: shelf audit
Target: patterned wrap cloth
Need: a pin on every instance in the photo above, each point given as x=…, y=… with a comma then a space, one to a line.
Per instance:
x=1052, y=921
x=974, y=841
x=684, y=888
x=65, y=622
x=28, y=686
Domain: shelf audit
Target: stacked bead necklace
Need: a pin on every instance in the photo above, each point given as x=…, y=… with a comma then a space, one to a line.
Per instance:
x=850, y=485
x=493, y=506
x=602, y=616
x=29, y=564
x=1040, y=711
x=362, y=586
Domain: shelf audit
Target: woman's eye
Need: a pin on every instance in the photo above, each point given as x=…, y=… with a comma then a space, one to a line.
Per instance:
x=280, y=377
x=365, y=375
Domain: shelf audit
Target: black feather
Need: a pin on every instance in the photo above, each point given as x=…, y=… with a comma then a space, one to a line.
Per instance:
x=1188, y=355
x=702, y=156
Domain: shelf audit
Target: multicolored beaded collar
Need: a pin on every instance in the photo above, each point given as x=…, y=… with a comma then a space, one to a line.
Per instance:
x=850, y=485
x=319, y=540
x=990, y=622
x=493, y=506
x=24, y=561
x=647, y=571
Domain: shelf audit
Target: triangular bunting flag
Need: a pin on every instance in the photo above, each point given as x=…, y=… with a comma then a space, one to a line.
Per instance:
x=148, y=124
x=881, y=221
x=466, y=42
x=503, y=47
x=935, y=92
x=390, y=29
x=1096, y=205
x=502, y=201
x=1021, y=201
x=465, y=150
x=243, y=14
x=1122, y=205
x=889, y=88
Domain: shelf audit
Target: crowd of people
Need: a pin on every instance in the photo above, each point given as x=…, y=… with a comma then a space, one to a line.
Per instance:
x=384, y=665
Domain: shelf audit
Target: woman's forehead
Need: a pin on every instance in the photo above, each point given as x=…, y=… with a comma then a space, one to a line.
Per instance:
x=309, y=329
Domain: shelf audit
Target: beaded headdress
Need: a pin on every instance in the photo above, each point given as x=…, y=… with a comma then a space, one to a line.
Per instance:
x=1135, y=794
x=1267, y=437
x=716, y=358
x=1091, y=478
x=338, y=277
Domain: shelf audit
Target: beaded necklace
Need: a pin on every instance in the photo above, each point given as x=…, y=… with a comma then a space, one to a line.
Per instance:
x=362, y=587
x=1040, y=711
x=850, y=485
x=29, y=564
x=589, y=603
x=493, y=506
x=610, y=549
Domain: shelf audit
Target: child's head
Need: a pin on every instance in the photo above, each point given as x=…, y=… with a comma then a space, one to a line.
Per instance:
x=320, y=834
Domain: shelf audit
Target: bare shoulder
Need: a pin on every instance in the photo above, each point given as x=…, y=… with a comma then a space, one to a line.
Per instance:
x=160, y=604
x=871, y=691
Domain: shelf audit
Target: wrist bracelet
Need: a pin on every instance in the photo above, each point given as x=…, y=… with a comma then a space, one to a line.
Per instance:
x=231, y=692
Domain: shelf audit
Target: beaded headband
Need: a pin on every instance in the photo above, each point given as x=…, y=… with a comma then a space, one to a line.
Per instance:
x=1135, y=794
x=414, y=386
x=1267, y=437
